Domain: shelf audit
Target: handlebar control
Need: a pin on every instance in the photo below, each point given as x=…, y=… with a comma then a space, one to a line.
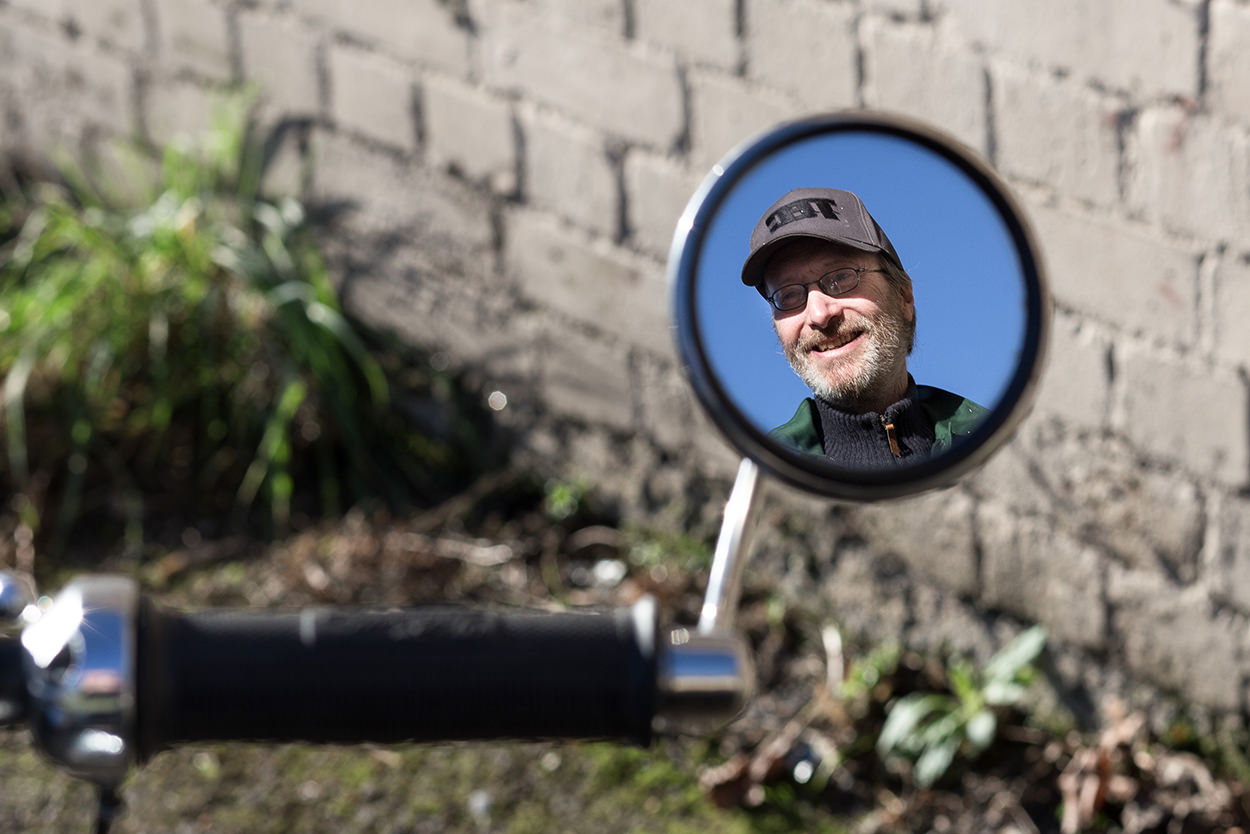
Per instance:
x=704, y=679
x=17, y=597
x=79, y=665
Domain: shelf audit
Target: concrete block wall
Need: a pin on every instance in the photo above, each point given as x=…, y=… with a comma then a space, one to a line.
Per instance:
x=515, y=169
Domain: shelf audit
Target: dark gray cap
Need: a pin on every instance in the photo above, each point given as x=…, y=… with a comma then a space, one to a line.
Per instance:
x=822, y=213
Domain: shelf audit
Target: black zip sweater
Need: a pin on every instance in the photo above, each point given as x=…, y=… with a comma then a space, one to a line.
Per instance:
x=873, y=440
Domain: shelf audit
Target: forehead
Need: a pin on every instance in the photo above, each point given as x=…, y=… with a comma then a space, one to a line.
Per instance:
x=809, y=258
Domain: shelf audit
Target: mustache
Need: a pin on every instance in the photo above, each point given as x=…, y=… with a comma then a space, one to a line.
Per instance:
x=846, y=330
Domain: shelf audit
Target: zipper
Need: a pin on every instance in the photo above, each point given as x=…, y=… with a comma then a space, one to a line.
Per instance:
x=890, y=436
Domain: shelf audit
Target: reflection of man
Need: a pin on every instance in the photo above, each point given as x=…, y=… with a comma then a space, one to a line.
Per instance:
x=845, y=316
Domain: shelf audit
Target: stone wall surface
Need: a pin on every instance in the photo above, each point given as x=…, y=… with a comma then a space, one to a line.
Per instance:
x=514, y=171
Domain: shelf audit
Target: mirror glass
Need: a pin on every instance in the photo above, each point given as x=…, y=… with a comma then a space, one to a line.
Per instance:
x=980, y=305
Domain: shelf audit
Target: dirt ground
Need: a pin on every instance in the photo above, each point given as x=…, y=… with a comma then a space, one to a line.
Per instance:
x=800, y=758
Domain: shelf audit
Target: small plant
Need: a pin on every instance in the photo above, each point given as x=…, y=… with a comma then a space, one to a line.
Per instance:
x=653, y=547
x=930, y=728
x=563, y=499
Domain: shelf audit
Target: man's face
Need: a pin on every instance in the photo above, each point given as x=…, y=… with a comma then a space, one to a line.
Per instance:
x=850, y=349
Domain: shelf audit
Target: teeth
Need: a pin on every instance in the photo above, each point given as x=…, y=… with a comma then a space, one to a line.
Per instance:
x=835, y=344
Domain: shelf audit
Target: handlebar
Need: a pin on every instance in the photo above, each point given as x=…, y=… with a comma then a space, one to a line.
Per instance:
x=105, y=678
x=436, y=674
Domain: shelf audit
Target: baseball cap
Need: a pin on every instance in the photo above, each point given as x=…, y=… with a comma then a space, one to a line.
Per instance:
x=824, y=213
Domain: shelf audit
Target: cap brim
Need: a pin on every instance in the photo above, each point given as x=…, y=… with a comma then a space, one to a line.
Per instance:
x=753, y=268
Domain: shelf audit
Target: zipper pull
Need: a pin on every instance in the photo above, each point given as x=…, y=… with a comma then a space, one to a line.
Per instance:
x=890, y=436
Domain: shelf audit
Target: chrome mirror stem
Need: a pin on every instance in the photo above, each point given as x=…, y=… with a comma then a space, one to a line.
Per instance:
x=720, y=604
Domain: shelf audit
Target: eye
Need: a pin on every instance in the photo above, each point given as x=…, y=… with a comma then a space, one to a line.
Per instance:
x=790, y=297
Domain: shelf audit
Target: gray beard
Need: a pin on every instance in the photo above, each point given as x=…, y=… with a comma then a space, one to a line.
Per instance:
x=884, y=347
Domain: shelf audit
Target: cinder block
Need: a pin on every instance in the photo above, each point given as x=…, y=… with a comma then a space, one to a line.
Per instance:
x=178, y=108
x=23, y=80
x=281, y=55
x=1232, y=565
x=115, y=22
x=1190, y=174
x=665, y=400
x=909, y=68
x=470, y=131
x=932, y=534
x=568, y=171
x=725, y=113
x=700, y=31
x=449, y=224
x=896, y=8
x=326, y=11
x=657, y=189
x=465, y=326
x=1148, y=47
x=1232, y=310
x=1187, y=413
x=608, y=15
x=426, y=32
x=1228, y=60
x=943, y=624
x=868, y=594
x=1058, y=133
x=49, y=9
x=104, y=85
x=1035, y=572
x=1174, y=636
x=623, y=89
x=1076, y=382
x=63, y=86
x=805, y=48
x=559, y=268
x=587, y=379
x=194, y=34
x=1118, y=274
x=1095, y=487
x=372, y=95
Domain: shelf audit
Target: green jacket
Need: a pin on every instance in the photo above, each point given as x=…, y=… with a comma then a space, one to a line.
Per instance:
x=952, y=415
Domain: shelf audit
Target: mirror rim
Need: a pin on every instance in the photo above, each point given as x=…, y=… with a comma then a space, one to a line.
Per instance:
x=804, y=471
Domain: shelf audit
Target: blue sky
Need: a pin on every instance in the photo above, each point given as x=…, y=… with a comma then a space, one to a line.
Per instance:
x=966, y=275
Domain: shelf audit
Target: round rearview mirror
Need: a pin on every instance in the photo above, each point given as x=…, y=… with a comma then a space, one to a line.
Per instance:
x=860, y=305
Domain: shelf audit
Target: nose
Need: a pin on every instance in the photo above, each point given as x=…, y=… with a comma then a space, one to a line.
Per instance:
x=821, y=308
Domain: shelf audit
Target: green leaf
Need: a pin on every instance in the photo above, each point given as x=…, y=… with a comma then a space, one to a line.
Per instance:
x=935, y=761
x=905, y=717
x=1003, y=694
x=1016, y=655
x=961, y=677
x=15, y=383
x=981, y=729
x=947, y=724
x=273, y=443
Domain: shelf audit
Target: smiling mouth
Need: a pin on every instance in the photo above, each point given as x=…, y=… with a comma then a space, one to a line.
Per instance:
x=830, y=344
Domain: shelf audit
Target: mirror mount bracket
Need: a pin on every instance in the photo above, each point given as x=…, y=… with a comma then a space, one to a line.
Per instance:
x=720, y=603
x=706, y=676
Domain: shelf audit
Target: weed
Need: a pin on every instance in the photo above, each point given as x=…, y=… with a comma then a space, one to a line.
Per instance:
x=189, y=346
x=680, y=552
x=563, y=499
x=931, y=727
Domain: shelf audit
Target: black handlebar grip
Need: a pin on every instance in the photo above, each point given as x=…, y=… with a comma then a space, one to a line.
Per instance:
x=434, y=674
x=13, y=696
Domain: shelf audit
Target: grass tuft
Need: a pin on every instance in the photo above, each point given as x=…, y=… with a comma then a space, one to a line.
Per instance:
x=179, y=341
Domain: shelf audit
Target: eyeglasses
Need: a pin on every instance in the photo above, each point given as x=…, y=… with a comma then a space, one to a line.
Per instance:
x=793, y=297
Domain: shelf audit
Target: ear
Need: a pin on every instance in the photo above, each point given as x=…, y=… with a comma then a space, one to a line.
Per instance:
x=909, y=302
